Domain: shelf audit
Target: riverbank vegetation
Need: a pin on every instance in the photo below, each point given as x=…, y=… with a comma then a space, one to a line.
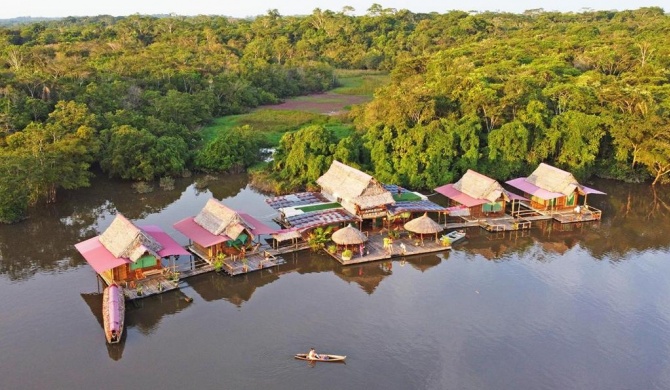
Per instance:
x=495, y=92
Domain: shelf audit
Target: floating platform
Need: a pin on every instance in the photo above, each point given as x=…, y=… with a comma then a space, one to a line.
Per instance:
x=494, y=224
x=374, y=249
x=583, y=213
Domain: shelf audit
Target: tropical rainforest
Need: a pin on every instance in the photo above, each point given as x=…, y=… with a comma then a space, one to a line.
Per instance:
x=495, y=92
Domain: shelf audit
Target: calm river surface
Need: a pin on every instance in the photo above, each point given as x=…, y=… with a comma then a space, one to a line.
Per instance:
x=573, y=307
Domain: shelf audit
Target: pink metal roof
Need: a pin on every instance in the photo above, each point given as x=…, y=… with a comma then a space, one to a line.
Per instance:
x=98, y=256
x=589, y=190
x=532, y=189
x=258, y=226
x=198, y=234
x=170, y=246
x=450, y=192
x=513, y=196
x=103, y=260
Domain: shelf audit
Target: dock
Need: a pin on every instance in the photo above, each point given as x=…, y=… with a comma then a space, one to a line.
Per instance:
x=585, y=214
x=494, y=224
x=375, y=251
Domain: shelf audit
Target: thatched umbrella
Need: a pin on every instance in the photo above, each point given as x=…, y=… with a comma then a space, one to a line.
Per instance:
x=349, y=236
x=424, y=225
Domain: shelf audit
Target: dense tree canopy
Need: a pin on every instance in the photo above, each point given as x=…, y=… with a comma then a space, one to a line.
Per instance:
x=496, y=92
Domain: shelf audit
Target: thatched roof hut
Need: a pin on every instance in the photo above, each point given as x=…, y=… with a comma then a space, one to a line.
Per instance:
x=349, y=236
x=423, y=225
x=550, y=187
x=355, y=190
x=479, y=186
x=475, y=189
x=125, y=240
x=219, y=219
x=553, y=179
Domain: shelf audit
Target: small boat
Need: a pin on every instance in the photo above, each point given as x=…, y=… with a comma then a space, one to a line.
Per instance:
x=113, y=313
x=322, y=357
x=455, y=236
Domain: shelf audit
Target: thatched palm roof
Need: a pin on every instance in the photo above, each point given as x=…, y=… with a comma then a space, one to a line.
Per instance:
x=423, y=225
x=352, y=185
x=478, y=186
x=553, y=179
x=125, y=240
x=349, y=236
x=219, y=219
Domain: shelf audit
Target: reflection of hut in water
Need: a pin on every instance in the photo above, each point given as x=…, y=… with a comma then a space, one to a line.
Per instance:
x=367, y=276
x=358, y=192
x=490, y=250
x=212, y=287
x=145, y=318
x=146, y=314
x=125, y=253
x=94, y=302
x=424, y=263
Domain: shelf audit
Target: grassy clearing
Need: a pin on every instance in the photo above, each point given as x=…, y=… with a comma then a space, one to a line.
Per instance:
x=360, y=82
x=272, y=123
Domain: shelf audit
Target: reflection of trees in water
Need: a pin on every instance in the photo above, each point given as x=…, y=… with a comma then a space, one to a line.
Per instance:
x=45, y=241
x=228, y=186
x=636, y=217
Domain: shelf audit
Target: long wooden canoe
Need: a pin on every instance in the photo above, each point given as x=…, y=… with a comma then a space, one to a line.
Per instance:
x=113, y=313
x=322, y=357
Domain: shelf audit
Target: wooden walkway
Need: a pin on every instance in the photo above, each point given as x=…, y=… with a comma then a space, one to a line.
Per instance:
x=585, y=214
x=374, y=249
x=252, y=261
x=497, y=224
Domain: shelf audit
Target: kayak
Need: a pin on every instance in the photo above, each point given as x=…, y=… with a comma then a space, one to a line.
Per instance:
x=322, y=357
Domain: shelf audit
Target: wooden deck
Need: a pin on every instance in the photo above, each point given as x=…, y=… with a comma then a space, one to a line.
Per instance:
x=585, y=214
x=236, y=265
x=374, y=249
x=497, y=224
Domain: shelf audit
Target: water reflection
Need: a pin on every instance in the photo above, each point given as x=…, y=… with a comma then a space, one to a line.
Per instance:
x=144, y=315
x=368, y=276
x=425, y=262
x=94, y=302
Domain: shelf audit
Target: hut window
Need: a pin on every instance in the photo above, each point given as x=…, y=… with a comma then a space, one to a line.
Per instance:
x=144, y=262
x=570, y=201
x=492, y=207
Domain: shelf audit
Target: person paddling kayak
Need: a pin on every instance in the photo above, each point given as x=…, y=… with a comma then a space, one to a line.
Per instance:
x=312, y=354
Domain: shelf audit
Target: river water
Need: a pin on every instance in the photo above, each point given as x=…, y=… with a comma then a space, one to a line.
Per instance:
x=558, y=307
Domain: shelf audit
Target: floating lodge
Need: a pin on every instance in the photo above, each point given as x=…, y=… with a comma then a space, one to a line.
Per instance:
x=369, y=221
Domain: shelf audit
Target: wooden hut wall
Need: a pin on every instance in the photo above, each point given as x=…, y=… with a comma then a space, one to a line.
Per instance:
x=484, y=210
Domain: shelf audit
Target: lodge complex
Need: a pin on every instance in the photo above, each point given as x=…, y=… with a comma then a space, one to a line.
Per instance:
x=354, y=218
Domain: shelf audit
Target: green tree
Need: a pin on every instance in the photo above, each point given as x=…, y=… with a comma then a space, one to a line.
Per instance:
x=231, y=151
